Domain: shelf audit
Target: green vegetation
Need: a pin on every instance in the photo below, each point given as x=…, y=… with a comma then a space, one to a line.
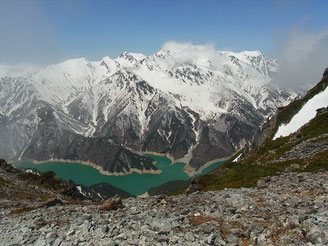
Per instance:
x=46, y=180
x=271, y=150
x=318, y=126
x=27, y=176
x=241, y=175
x=236, y=175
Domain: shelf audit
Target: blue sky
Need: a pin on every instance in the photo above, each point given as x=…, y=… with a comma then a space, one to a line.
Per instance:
x=54, y=30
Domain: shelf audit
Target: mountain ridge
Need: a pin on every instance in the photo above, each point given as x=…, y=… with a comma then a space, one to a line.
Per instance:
x=182, y=102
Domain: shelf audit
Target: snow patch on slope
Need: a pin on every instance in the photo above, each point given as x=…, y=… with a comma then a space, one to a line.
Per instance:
x=237, y=158
x=307, y=113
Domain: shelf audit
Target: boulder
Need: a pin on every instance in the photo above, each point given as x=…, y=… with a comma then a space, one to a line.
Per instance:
x=112, y=204
x=53, y=202
x=293, y=168
x=261, y=184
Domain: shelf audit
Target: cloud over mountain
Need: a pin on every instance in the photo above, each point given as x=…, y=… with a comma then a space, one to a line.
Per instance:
x=303, y=57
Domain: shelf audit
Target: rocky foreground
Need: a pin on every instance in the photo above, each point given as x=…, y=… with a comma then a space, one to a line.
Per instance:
x=291, y=209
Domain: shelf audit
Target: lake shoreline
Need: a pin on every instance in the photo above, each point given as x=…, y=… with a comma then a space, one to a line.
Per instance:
x=99, y=168
x=191, y=172
x=135, y=182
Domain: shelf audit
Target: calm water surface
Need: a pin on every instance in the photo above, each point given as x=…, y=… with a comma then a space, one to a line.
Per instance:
x=133, y=183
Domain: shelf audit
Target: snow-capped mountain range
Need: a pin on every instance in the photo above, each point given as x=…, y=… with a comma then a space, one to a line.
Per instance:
x=184, y=102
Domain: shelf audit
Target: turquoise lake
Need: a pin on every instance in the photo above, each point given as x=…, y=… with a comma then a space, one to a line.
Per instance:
x=133, y=183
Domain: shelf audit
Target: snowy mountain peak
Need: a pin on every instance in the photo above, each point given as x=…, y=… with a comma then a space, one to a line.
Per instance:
x=132, y=57
x=126, y=55
x=74, y=72
x=106, y=59
x=72, y=64
x=161, y=54
x=108, y=65
x=137, y=56
x=251, y=53
x=126, y=59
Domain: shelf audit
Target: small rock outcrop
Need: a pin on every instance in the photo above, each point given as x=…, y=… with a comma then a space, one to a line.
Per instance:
x=112, y=204
x=53, y=202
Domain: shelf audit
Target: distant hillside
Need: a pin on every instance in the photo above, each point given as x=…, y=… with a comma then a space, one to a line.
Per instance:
x=21, y=188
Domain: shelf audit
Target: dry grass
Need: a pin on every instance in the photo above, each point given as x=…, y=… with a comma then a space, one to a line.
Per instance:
x=259, y=202
x=278, y=232
x=23, y=210
x=246, y=241
x=196, y=221
x=262, y=223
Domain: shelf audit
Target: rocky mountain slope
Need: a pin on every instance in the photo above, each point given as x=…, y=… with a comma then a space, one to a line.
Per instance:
x=304, y=149
x=290, y=209
x=183, y=102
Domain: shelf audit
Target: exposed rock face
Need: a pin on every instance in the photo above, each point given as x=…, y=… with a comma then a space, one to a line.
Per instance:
x=267, y=132
x=325, y=73
x=290, y=209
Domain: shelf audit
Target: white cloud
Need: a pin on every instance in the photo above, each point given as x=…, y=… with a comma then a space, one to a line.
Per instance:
x=20, y=69
x=199, y=54
x=303, y=58
x=174, y=46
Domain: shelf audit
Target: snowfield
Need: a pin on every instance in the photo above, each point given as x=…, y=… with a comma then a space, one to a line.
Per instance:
x=307, y=113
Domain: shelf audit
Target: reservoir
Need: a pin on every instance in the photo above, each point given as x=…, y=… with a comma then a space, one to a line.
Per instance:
x=133, y=183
